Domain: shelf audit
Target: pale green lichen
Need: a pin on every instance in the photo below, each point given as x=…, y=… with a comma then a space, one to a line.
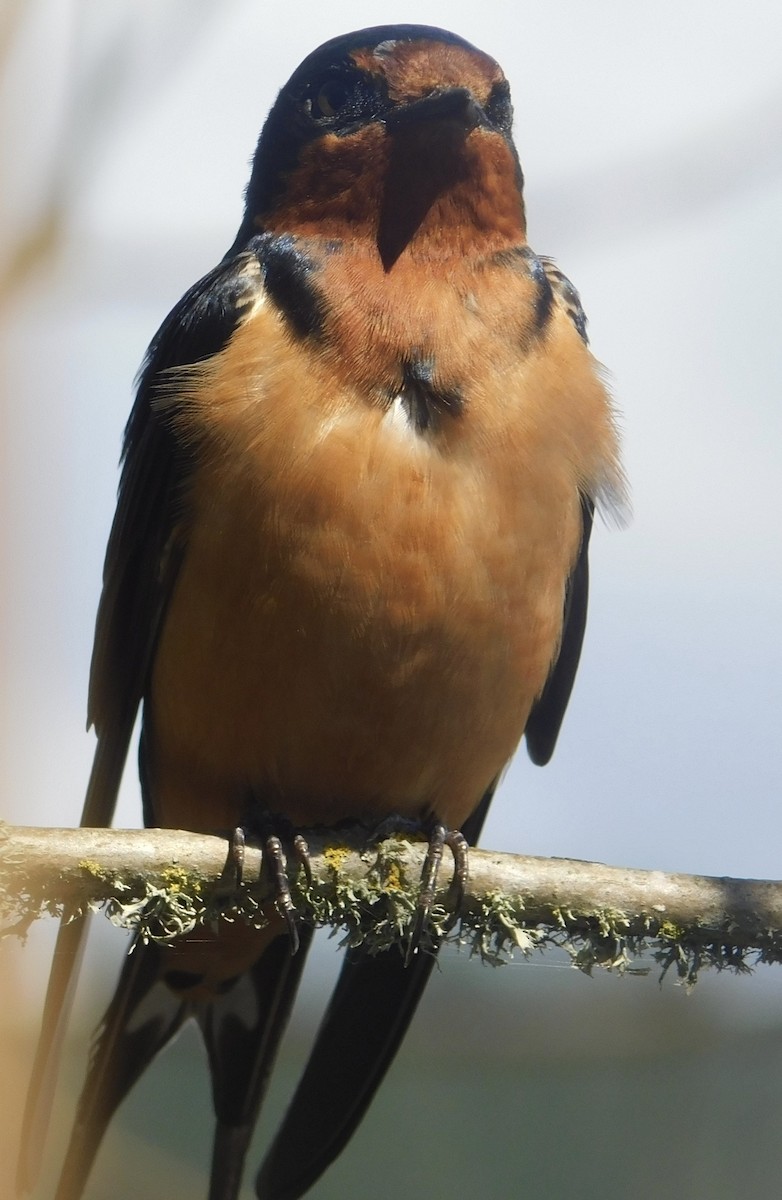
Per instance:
x=495, y=928
x=380, y=910
x=160, y=914
x=373, y=912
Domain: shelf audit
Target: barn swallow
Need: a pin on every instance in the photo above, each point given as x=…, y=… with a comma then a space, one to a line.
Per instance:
x=348, y=568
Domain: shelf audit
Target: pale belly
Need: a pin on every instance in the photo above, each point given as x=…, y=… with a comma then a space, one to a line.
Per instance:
x=363, y=636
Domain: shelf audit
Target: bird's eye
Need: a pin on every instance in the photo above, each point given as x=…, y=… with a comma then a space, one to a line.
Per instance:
x=330, y=98
x=498, y=107
x=341, y=97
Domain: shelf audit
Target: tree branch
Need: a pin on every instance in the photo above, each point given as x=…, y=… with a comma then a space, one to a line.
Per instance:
x=160, y=883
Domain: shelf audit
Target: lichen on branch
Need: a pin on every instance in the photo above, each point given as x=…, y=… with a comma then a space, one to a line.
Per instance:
x=161, y=883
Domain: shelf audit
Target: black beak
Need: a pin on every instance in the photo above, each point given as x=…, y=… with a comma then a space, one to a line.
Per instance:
x=447, y=104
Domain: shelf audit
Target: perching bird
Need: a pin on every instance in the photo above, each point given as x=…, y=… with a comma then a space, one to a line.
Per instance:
x=348, y=569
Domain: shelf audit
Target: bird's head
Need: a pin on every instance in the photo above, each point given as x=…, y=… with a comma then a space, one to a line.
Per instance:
x=400, y=135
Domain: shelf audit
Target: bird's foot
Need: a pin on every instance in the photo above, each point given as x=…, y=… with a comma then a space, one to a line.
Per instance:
x=273, y=833
x=439, y=837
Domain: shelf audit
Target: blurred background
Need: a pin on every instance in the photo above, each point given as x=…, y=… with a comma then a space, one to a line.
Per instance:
x=651, y=139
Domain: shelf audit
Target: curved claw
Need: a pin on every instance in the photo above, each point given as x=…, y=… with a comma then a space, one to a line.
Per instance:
x=274, y=859
x=267, y=829
x=302, y=854
x=234, y=867
x=439, y=838
x=460, y=848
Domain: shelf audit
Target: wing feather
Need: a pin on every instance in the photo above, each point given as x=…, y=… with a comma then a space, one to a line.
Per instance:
x=144, y=551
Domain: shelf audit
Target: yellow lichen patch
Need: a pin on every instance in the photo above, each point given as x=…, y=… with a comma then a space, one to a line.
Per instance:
x=178, y=880
x=394, y=878
x=335, y=856
x=91, y=867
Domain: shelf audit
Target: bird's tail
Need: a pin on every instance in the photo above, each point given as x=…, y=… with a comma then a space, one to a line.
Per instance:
x=371, y=1007
x=242, y=1029
x=143, y=1016
x=241, y=1018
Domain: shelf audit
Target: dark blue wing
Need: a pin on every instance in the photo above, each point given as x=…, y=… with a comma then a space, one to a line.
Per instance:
x=147, y=538
x=143, y=553
x=545, y=720
x=543, y=723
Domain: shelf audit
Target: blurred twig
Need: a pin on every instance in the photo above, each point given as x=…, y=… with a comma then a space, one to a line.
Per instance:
x=100, y=73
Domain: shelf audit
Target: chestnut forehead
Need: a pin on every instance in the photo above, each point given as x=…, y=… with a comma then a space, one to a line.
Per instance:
x=413, y=69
